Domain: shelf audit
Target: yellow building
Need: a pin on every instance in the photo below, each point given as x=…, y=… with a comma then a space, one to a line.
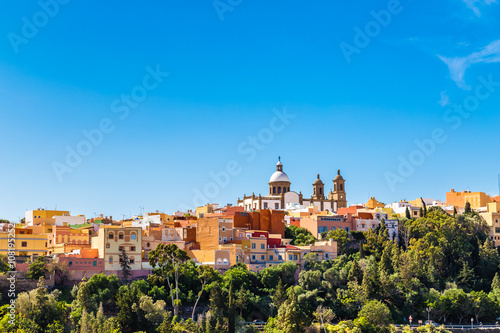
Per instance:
x=476, y=199
x=40, y=215
x=110, y=241
x=207, y=209
x=373, y=203
x=492, y=218
x=27, y=243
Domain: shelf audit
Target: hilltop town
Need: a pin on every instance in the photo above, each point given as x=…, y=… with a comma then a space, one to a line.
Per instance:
x=251, y=232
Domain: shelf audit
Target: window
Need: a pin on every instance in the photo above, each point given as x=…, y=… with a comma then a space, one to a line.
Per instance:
x=327, y=256
x=111, y=236
x=120, y=248
x=223, y=229
x=290, y=257
x=132, y=261
x=120, y=236
x=253, y=245
x=50, y=241
x=253, y=257
x=295, y=257
x=24, y=244
x=241, y=235
x=110, y=260
x=95, y=263
x=133, y=236
x=132, y=248
x=271, y=257
x=262, y=257
x=148, y=245
x=70, y=263
x=107, y=245
x=347, y=229
x=121, y=260
x=279, y=190
x=280, y=258
x=262, y=246
x=276, y=206
x=265, y=205
x=274, y=190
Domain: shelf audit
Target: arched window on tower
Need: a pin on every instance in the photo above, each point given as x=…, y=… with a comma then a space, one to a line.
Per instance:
x=335, y=187
x=320, y=190
x=274, y=190
x=288, y=190
x=314, y=190
x=341, y=187
x=279, y=190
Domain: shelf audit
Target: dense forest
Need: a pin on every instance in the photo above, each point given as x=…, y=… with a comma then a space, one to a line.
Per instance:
x=443, y=267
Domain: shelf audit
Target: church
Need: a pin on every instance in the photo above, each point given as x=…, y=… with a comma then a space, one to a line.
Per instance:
x=282, y=198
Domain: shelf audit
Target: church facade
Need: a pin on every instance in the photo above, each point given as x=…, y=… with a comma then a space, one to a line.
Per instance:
x=280, y=196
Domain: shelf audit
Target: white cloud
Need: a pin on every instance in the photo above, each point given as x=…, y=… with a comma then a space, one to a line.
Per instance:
x=445, y=99
x=458, y=65
x=472, y=5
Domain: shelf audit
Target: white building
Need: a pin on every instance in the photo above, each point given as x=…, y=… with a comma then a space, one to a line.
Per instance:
x=391, y=225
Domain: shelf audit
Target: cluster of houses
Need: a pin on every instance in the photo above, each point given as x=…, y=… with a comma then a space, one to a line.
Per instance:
x=252, y=232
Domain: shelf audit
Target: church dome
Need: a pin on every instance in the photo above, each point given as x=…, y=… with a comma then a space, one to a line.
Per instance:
x=338, y=177
x=279, y=176
x=318, y=182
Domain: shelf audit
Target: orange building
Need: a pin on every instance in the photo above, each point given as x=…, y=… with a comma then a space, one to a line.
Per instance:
x=476, y=199
x=64, y=239
x=373, y=203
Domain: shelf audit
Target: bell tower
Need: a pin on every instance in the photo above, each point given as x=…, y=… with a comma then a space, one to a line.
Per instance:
x=339, y=194
x=318, y=189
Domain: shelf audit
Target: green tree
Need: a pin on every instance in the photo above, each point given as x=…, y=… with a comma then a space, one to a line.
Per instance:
x=495, y=284
x=376, y=312
x=468, y=209
x=217, y=302
x=355, y=272
x=125, y=265
x=341, y=236
x=299, y=236
x=231, y=327
x=4, y=263
x=425, y=206
x=131, y=317
x=168, y=261
x=280, y=296
x=39, y=308
x=206, y=274
x=61, y=272
x=290, y=317
x=37, y=269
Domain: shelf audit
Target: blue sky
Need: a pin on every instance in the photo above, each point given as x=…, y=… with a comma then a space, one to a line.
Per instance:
x=232, y=66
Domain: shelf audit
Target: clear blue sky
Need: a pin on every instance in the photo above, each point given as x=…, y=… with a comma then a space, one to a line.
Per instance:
x=229, y=68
